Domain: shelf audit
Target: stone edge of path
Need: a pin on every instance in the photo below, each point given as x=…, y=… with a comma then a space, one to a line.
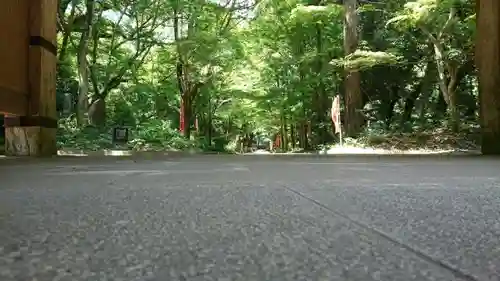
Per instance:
x=103, y=155
x=114, y=155
x=353, y=151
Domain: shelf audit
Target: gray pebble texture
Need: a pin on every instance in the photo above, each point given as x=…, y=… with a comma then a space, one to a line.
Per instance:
x=254, y=218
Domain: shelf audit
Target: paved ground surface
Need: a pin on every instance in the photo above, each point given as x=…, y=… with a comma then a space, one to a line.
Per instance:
x=250, y=218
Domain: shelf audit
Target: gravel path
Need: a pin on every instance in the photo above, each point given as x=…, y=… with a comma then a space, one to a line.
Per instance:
x=251, y=218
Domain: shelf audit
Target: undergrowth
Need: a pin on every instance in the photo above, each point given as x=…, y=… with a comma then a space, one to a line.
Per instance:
x=427, y=138
x=156, y=135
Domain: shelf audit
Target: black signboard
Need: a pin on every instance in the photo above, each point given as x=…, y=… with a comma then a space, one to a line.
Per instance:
x=120, y=135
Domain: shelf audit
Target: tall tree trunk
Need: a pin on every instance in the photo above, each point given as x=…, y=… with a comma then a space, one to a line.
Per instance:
x=210, y=125
x=83, y=85
x=187, y=88
x=389, y=114
x=301, y=124
x=410, y=101
x=83, y=72
x=488, y=62
x=321, y=100
x=447, y=73
x=454, y=113
x=284, y=133
x=353, y=98
x=299, y=134
x=68, y=28
x=186, y=115
x=304, y=136
x=422, y=89
x=447, y=70
x=97, y=108
x=182, y=82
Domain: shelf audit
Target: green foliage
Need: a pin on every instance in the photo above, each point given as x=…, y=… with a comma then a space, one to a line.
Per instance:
x=271, y=66
x=304, y=15
x=362, y=60
x=153, y=135
x=416, y=13
x=88, y=138
x=158, y=134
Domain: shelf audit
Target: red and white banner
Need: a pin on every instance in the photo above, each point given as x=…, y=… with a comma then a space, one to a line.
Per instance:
x=336, y=114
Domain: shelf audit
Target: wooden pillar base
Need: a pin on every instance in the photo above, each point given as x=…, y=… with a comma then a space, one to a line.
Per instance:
x=30, y=141
x=30, y=136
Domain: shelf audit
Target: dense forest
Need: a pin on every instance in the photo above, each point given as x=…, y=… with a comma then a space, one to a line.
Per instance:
x=205, y=73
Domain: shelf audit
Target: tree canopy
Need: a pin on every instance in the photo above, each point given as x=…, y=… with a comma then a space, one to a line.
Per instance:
x=201, y=73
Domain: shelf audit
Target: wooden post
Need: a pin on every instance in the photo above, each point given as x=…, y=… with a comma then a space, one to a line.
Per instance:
x=488, y=63
x=35, y=133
